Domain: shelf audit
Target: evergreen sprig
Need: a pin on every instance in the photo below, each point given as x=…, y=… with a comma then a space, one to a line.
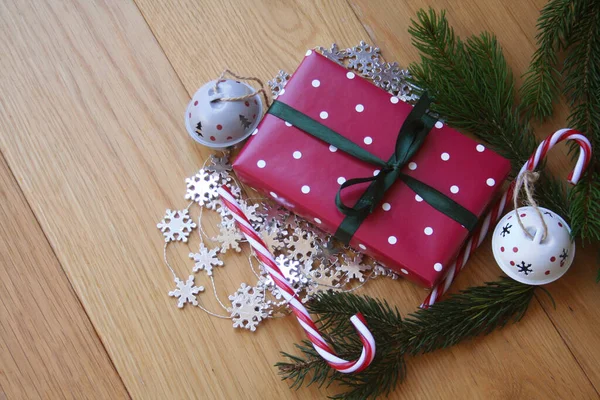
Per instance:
x=475, y=311
x=473, y=86
x=541, y=87
x=571, y=26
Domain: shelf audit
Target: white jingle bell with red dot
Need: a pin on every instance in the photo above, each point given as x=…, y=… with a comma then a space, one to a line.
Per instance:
x=540, y=256
x=223, y=113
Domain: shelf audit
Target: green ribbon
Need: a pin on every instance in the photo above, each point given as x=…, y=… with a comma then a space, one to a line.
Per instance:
x=410, y=138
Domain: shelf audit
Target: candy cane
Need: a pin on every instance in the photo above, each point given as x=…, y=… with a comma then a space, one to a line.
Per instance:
x=496, y=212
x=319, y=344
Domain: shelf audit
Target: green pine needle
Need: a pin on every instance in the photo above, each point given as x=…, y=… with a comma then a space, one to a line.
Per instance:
x=475, y=311
x=541, y=87
x=472, y=85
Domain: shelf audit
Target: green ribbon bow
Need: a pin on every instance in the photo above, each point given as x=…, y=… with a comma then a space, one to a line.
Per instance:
x=410, y=138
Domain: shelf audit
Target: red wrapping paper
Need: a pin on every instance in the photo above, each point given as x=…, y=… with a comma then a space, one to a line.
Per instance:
x=304, y=174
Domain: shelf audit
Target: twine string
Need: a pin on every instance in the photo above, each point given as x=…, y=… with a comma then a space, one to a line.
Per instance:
x=526, y=181
x=244, y=97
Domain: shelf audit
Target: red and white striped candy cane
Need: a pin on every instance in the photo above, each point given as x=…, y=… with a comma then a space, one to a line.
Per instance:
x=496, y=212
x=320, y=345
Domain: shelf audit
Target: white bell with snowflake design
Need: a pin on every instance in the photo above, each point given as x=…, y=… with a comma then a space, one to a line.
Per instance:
x=536, y=255
x=223, y=113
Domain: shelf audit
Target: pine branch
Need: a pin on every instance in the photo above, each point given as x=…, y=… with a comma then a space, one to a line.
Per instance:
x=472, y=85
x=475, y=311
x=541, y=87
x=582, y=88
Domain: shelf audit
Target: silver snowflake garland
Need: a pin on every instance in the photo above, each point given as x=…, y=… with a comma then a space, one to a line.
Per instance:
x=388, y=76
x=220, y=165
x=206, y=259
x=353, y=267
x=248, y=307
x=229, y=237
x=323, y=279
x=363, y=58
x=272, y=214
x=289, y=269
x=176, y=225
x=278, y=83
x=327, y=249
x=301, y=245
x=186, y=291
x=202, y=188
x=381, y=270
x=273, y=238
x=335, y=54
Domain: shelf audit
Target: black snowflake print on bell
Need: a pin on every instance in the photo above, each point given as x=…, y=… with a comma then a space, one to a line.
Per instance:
x=223, y=113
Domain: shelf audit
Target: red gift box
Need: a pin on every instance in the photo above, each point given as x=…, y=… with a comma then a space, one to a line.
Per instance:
x=304, y=173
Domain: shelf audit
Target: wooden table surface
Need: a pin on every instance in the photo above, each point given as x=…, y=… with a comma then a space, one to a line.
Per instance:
x=92, y=94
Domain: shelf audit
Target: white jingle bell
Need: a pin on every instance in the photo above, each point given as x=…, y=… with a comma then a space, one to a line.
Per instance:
x=535, y=259
x=215, y=118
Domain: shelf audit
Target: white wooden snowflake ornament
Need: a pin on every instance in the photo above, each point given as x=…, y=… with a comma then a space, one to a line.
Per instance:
x=206, y=259
x=176, y=225
x=202, y=187
x=248, y=307
x=186, y=291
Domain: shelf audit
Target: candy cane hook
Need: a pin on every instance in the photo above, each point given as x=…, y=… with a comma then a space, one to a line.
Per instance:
x=585, y=153
x=319, y=344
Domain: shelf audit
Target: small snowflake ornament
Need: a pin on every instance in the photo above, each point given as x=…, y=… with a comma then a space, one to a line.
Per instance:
x=363, y=58
x=301, y=245
x=251, y=213
x=272, y=214
x=186, y=291
x=220, y=166
x=248, y=307
x=202, y=187
x=388, y=76
x=278, y=83
x=323, y=279
x=230, y=238
x=328, y=250
x=273, y=238
x=353, y=267
x=176, y=225
x=206, y=259
x=289, y=269
x=335, y=54
x=380, y=270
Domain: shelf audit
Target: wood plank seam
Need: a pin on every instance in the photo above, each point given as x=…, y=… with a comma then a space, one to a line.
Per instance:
x=71, y=288
x=536, y=295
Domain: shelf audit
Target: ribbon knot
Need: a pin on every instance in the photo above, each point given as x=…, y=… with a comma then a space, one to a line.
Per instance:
x=412, y=133
x=410, y=138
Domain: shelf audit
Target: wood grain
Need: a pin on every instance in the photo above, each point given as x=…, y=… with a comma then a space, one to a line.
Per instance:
x=48, y=347
x=93, y=132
